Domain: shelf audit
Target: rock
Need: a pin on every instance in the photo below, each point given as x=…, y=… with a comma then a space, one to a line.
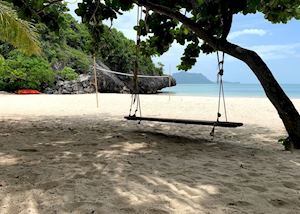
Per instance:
x=4, y=92
x=109, y=83
x=60, y=83
x=125, y=90
x=83, y=78
x=49, y=91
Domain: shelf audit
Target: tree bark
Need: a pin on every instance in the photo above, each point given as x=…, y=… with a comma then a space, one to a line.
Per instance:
x=285, y=108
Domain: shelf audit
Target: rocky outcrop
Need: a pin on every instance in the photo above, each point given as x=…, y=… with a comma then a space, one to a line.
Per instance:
x=80, y=86
x=109, y=83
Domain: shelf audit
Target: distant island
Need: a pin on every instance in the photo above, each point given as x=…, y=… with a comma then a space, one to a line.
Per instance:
x=193, y=78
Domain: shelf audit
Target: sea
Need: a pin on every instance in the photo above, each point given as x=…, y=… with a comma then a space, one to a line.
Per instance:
x=230, y=89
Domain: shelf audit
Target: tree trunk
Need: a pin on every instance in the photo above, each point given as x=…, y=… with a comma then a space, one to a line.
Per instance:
x=283, y=105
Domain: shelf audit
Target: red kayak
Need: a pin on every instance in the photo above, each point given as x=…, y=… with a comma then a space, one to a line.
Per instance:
x=27, y=91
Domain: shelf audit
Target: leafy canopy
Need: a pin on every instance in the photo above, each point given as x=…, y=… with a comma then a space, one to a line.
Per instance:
x=21, y=34
x=19, y=71
x=212, y=17
x=49, y=12
x=65, y=42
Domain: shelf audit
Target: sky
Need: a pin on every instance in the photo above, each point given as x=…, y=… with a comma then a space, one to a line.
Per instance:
x=277, y=44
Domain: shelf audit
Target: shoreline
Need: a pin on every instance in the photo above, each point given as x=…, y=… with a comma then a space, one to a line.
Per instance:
x=171, y=94
x=231, y=90
x=258, y=111
x=216, y=96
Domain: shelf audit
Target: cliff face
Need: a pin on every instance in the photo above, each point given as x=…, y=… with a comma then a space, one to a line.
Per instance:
x=110, y=83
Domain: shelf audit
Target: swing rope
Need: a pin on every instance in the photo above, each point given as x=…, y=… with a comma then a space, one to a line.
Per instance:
x=136, y=102
x=135, y=106
x=221, y=85
x=135, y=98
x=221, y=91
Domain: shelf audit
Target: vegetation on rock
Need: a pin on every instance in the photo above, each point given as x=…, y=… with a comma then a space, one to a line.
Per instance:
x=65, y=43
x=68, y=73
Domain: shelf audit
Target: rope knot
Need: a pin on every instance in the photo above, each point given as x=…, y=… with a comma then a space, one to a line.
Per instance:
x=221, y=72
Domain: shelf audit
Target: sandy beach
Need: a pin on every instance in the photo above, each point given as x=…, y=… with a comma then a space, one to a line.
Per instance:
x=61, y=154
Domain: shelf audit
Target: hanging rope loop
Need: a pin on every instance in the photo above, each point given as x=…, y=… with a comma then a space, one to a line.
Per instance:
x=135, y=98
x=137, y=49
x=221, y=90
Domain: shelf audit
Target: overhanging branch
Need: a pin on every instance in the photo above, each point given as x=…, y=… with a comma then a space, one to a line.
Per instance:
x=201, y=33
x=218, y=44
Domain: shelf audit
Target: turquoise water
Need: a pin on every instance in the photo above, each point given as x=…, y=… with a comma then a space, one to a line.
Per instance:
x=231, y=90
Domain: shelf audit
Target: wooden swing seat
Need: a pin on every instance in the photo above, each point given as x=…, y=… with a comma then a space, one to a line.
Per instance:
x=186, y=121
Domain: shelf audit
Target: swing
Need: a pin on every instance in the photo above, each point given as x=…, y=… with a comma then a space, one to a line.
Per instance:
x=135, y=99
x=185, y=121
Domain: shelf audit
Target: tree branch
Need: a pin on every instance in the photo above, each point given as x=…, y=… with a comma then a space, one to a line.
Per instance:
x=201, y=33
x=218, y=44
x=94, y=13
x=194, y=4
x=48, y=5
x=29, y=8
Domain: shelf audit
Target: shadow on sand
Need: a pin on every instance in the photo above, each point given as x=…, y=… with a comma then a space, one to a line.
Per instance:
x=76, y=165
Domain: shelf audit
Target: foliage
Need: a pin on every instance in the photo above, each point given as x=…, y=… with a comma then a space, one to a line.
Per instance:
x=65, y=43
x=68, y=74
x=73, y=46
x=2, y=60
x=71, y=43
x=49, y=12
x=76, y=35
x=21, y=34
x=20, y=71
x=56, y=30
x=119, y=53
x=168, y=21
x=66, y=47
x=5, y=49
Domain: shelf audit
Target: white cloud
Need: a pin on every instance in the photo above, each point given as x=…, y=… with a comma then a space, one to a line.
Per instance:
x=273, y=52
x=253, y=31
x=269, y=52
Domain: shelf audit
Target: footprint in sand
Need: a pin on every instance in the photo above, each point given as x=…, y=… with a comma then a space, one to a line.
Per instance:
x=156, y=211
x=210, y=164
x=258, y=188
x=278, y=202
x=231, y=186
x=255, y=174
x=239, y=203
x=290, y=185
x=78, y=176
x=128, y=210
x=49, y=185
x=27, y=150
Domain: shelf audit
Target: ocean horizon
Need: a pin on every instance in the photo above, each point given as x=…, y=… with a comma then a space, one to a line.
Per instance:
x=231, y=90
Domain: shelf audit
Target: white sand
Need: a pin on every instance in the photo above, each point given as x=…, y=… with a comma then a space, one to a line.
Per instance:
x=60, y=154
